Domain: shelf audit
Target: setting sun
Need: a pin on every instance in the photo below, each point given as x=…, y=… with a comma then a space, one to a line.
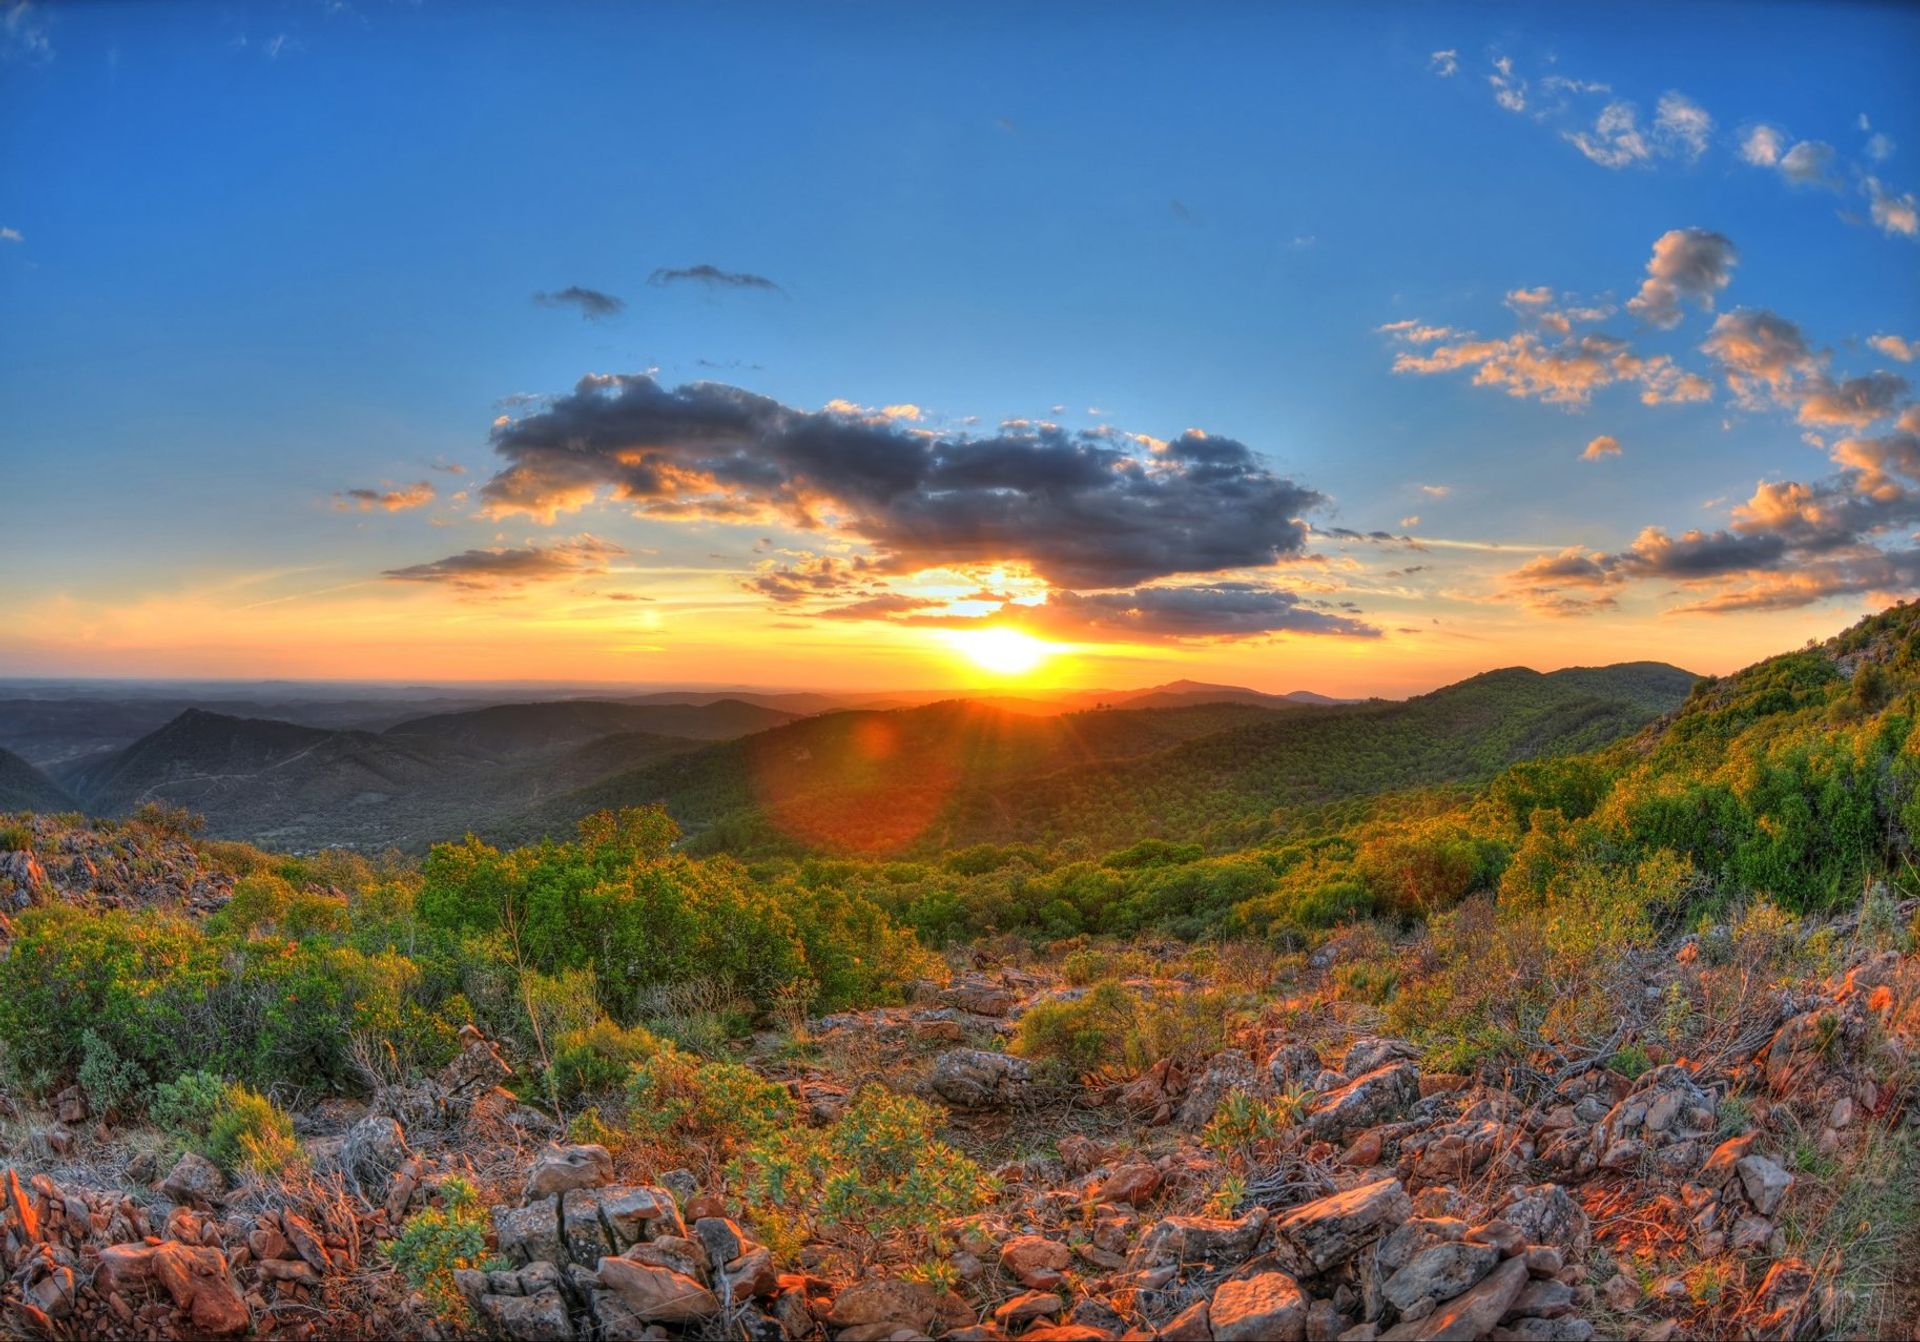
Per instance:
x=1004, y=652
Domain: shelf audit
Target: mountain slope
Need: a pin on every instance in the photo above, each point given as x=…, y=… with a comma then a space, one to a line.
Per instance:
x=25, y=788
x=513, y=729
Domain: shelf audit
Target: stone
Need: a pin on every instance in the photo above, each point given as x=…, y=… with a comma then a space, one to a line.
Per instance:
x=1292, y=1064
x=529, y=1234
x=1468, y=1316
x=1751, y=1233
x=1191, y=1324
x=751, y=1275
x=1026, y=1307
x=1330, y=1230
x=898, y=1303
x=635, y=1213
x=1369, y=1053
x=658, y=1294
x=1384, y=1095
x=375, y=1148
x=1132, y=1184
x=541, y=1317
x=562, y=1169
x=1543, y=1299
x=1723, y=1165
x=306, y=1241
x=971, y=1078
x=1227, y=1071
x=194, y=1181
x=982, y=997
x=1548, y=1214
x=1561, y=1328
x=1765, y=1181
x=1440, y=1273
x=1201, y=1239
x=1035, y=1261
x=1266, y=1307
x=1621, y=1293
x=198, y=1280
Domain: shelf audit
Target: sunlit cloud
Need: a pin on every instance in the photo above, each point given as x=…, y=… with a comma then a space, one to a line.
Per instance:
x=476, y=570
x=416, y=495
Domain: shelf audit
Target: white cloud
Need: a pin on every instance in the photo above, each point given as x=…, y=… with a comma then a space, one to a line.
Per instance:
x=1616, y=140
x=1880, y=147
x=1509, y=90
x=1445, y=63
x=1896, y=347
x=1682, y=125
x=1686, y=263
x=1606, y=445
x=1894, y=214
x=11, y=235
x=1808, y=163
x=1763, y=145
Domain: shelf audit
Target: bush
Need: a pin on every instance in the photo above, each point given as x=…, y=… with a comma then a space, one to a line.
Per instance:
x=15, y=837
x=673, y=1096
x=109, y=1080
x=250, y=1132
x=1110, y=1028
x=880, y=1168
x=436, y=1243
x=597, y=1060
x=1244, y=1122
x=185, y=1106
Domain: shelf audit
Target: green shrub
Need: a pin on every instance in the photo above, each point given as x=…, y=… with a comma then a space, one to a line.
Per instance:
x=879, y=1168
x=1631, y=1062
x=109, y=1080
x=185, y=1106
x=436, y=1243
x=15, y=837
x=250, y=1132
x=1110, y=1028
x=1245, y=1121
x=673, y=1096
x=597, y=1060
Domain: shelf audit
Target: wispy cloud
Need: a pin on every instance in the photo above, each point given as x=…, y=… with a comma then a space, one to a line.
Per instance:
x=592, y=304
x=416, y=495
x=713, y=278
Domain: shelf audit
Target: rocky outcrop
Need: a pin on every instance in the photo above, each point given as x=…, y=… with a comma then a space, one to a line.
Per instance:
x=971, y=1078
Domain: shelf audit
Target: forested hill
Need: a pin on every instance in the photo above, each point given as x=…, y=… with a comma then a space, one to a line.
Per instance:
x=957, y=774
x=25, y=788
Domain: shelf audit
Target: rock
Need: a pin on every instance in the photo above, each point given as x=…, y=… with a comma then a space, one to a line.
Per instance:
x=1469, y=1316
x=982, y=997
x=1200, y=1239
x=1026, y=1307
x=635, y=1213
x=1292, y=1064
x=1266, y=1307
x=198, y=1280
x=899, y=1303
x=562, y=1169
x=1621, y=1293
x=529, y=1234
x=374, y=1149
x=1751, y=1233
x=1439, y=1273
x=752, y=1275
x=1191, y=1324
x=1562, y=1328
x=195, y=1181
x=1035, y=1261
x=1333, y=1229
x=1368, y=1054
x=1228, y=1070
x=1722, y=1166
x=971, y=1078
x=1548, y=1214
x=541, y=1317
x=657, y=1294
x=1545, y=1299
x=1132, y=1184
x=1765, y=1182
x=1381, y=1096
x=70, y=1106
x=306, y=1241
x=1543, y=1260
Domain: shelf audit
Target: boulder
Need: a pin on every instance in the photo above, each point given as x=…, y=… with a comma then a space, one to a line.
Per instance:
x=194, y=1181
x=1035, y=1261
x=634, y=1213
x=374, y=1149
x=1133, y=1183
x=971, y=1078
x=1266, y=1307
x=1370, y=1053
x=198, y=1280
x=1383, y=1095
x=529, y=1234
x=1026, y=1307
x=1292, y=1064
x=1468, y=1316
x=1438, y=1273
x=1548, y=1214
x=1201, y=1239
x=657, y=1294
x=541, y=1317
x=1329, y=1231
x=562, y=1169
x=1766, y=1183
x=1228, y=1070
x=899, y=1303
x=980, y=996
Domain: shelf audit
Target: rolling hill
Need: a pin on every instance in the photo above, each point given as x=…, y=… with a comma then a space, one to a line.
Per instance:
x=25, y=788
x=515, y=729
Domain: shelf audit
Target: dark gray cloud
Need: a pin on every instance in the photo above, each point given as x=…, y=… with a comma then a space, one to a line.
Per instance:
x=714, y=278
x=1210, y=611
x=591, y=303
x=487, y=569
x=1082, y=510
x=399, y=499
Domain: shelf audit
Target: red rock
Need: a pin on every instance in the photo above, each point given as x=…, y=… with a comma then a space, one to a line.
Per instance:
x=1132, y=1183
x=1035, y=1261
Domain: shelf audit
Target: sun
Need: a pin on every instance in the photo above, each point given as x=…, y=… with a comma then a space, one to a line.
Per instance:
x=1004, y=652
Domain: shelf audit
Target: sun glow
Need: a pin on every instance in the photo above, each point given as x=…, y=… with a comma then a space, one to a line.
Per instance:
x=1004, y=652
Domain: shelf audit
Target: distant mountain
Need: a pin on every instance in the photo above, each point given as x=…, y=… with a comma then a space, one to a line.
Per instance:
x=25, y=788
x=799, y=704
x=514, y=729
x=959, y=773
x=1180, y=693
x=867, y=779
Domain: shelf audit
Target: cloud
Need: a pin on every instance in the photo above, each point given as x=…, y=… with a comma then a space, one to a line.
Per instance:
x=1446, y=64
x=714, y=278
x=1880, y=147
x=24, y=35
x=480, y=570
x=1436, y=491
x=1080, y=509
x=1809, y=163
x=1606, y=445
x=1509, y=90
x=1221, y=610
x=1763, y=145
x=592, y=304
x=1616, y=140
x=1768, y=362
x=1895, y=215
x=416, y=495
x=1896, y=347
x=1686, y=263
x=1855, y=402
x=1565, y=372
x=1681, y=125
x=812, y=576
x=1530, y=298
x=450, y=467
x=11, y=235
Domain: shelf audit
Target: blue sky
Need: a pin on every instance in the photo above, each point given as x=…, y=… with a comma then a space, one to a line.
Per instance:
x=258, y=255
